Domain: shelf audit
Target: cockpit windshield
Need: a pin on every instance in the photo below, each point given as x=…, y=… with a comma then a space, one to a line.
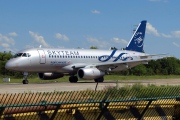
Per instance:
x=24, y=55
x=17, y=55
x=21, y=55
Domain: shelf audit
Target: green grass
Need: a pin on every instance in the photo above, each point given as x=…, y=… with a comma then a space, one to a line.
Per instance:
x=141, y=91
x=130, y=77
x=35, y=80
x=107, y=77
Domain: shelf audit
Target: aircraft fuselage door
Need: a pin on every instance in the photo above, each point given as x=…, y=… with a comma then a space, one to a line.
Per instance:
x=42, y=57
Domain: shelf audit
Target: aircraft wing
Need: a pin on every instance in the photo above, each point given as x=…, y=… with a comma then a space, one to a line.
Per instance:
x=106, y=65
x=142, y=59
x=153, y=55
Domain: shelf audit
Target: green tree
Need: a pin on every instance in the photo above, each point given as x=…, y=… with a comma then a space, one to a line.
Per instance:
x=4, y=57
x=171, y=65
x=139, y=70
x=93, y=47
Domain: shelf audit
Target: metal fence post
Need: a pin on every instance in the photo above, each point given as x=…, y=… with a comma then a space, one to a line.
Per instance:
x=55, y=112
x=142, y=114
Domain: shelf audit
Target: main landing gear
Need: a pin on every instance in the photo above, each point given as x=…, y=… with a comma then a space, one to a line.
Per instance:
x=73, y=79
x=101, y=79
x=25, y=81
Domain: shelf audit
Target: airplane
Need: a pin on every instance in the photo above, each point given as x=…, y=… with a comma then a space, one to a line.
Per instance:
x=53, y=63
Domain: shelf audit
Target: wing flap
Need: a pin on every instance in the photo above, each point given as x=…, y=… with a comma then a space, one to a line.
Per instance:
x=152, y=55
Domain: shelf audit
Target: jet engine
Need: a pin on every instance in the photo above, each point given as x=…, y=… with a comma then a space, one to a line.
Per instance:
x=49, y=76
x=90, y=73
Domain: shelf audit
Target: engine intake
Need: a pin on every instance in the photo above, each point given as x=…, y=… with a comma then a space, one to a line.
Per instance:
x=49, y=76
x=90, y=73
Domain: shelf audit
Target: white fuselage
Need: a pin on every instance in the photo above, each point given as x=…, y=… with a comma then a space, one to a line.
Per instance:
x=65, y=60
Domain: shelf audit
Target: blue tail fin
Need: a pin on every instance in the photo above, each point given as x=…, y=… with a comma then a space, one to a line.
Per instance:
x=136, y=42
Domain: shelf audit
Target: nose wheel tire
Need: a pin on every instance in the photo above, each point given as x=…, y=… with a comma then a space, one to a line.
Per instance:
x=25, y=81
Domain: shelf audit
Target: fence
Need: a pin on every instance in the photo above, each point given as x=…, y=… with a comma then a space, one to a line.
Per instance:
x=109, y=104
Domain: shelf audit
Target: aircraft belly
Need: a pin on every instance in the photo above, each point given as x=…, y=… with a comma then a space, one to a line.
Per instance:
x=42, y=68
x=66, y=69
x=52, y=68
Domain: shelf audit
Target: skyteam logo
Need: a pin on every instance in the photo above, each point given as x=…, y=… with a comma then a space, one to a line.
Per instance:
x=105, y=58
x=138, y=39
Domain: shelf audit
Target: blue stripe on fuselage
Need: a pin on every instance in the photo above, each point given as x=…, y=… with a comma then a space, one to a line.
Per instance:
x=108, y=57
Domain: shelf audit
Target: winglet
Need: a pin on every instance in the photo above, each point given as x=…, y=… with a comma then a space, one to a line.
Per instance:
x=136, y=42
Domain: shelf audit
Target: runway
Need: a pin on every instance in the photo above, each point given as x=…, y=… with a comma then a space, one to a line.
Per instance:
x=81, y=85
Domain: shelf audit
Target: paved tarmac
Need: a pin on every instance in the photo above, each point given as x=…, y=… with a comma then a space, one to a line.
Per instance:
x=66, y=86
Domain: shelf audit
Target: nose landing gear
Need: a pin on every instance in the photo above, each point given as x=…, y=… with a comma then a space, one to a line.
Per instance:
x=25, y=81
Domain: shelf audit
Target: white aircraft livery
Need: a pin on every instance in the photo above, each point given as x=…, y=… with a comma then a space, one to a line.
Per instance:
x=90, y=64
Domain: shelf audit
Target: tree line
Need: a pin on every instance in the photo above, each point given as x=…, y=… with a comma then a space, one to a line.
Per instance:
x=166, y=66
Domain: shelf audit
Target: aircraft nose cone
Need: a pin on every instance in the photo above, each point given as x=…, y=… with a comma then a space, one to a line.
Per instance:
x=9, y=65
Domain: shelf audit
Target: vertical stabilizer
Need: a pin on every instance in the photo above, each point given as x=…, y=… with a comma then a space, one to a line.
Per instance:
x=136, y=42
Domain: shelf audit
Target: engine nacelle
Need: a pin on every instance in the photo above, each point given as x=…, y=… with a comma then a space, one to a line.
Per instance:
x=90, y=73
x=50, y=76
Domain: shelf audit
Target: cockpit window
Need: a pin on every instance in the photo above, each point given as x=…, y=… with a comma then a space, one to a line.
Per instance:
x=21, y=55
x=28, y=54
x=17, y=55
x=24, y=55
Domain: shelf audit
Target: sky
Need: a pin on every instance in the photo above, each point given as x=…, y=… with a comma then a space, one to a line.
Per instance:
x=82, y=24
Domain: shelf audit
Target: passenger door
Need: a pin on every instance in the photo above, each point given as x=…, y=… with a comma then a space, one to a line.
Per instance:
x=42, y=56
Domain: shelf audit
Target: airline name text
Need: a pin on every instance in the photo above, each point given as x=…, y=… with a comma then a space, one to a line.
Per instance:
x=63, y=53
